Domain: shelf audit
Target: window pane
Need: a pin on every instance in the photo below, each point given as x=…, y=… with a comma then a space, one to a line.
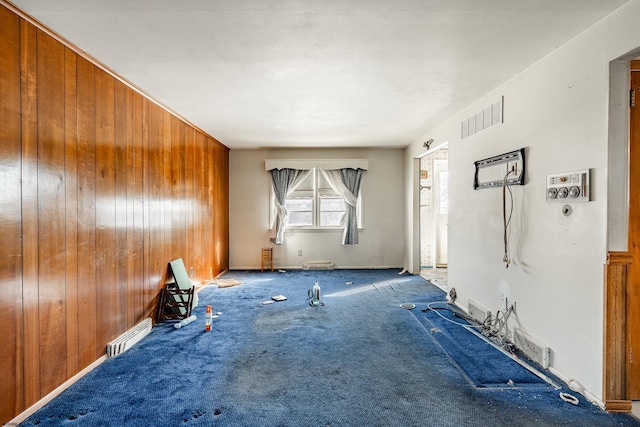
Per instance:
x=298, y=204
x=332, y=210
x=331, y=219
x=298, y=219
x=332, y=204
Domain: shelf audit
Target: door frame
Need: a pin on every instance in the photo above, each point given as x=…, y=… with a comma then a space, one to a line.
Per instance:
x=418, y=160
x=616, y=366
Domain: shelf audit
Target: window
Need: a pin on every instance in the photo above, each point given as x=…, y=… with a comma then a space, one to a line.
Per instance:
x=315, y=205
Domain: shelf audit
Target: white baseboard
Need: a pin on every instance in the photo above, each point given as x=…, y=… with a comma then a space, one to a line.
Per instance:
x=49, y=397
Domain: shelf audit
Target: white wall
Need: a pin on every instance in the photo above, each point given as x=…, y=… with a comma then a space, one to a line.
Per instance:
x=380, y=242
x=557, y=109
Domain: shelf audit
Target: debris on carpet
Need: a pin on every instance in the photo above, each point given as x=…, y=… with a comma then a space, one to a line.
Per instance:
x=226, y=283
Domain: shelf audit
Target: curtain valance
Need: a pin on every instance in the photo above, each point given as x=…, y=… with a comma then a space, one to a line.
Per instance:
x=307, y=164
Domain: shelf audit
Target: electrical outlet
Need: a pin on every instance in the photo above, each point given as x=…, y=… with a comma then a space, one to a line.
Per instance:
x=299, y=252
x=504, y=301
x=191, y=271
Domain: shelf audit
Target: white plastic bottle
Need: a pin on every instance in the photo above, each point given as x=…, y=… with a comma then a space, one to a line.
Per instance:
x=314, y=295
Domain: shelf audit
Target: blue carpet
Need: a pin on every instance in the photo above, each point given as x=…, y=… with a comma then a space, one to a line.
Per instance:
x=360, y=360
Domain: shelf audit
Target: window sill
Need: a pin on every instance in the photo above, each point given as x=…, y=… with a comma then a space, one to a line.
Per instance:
x=315, y=230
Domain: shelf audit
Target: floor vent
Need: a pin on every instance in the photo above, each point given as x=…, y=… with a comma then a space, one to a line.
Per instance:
x=536, y=351
x=318, y=265
x=129, y=338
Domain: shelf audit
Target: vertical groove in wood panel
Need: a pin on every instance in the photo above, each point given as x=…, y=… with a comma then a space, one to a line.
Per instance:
x=209, y=211
x=71, y=212
x=121, y=177
x=86, y=212
x=138, y=208
x=159, y=204
x=51, y=212
x=199, y=240
x=11, y=387
x=174, y=195
x=167, y=203
x=188, y=198
x=182, y=188
x=153, y=178
x=105, y=212
x=131, y=258
x=31, y=326
x=146, y=205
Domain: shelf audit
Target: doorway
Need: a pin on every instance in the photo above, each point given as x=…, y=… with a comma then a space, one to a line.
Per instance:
x=434, y=209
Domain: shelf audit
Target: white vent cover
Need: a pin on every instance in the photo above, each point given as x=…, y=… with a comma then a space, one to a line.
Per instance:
x=478, y=312
x=483, y=119
x=318, y=265
x=129, y=338
x=536, y=351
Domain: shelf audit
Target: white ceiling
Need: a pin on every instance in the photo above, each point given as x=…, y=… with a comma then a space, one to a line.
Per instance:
x=323, y=73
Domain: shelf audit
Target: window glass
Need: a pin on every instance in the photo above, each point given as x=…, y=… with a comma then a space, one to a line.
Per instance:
x=300, y=212
x=332, y=210
x=300, y=219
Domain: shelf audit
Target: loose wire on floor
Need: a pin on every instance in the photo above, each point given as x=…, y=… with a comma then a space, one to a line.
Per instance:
x=435, y=310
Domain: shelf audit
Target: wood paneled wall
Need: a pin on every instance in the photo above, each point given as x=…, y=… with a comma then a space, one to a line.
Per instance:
x=99, y=189
x=615, y=379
